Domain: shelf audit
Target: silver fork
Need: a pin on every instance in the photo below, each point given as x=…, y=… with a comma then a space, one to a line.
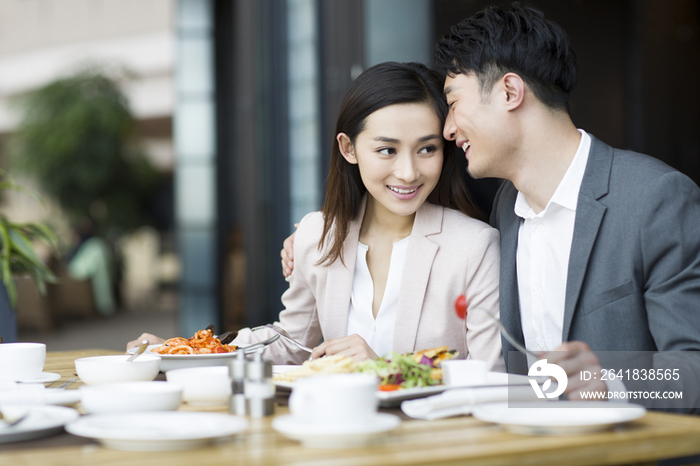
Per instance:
x=283, y=333
x=508, y=337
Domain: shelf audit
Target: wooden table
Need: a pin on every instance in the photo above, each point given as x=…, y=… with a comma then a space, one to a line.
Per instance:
x=461, y=440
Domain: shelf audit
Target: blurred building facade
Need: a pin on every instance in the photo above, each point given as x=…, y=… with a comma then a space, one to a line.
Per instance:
x=239, y=99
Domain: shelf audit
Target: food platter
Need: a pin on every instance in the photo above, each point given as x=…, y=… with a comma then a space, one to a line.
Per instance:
x=394, y=398
x=181, y=361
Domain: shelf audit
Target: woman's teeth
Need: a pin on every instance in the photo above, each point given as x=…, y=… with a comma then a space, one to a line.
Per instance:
x=402, y=191
x=466, y=146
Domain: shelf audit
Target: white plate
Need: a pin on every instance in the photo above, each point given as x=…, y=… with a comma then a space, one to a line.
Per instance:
x=41, y=422
x=335, y=435
x=44, y=377
x=558, y=417
x=157, y=431
x=181, y=361
x=394, y=398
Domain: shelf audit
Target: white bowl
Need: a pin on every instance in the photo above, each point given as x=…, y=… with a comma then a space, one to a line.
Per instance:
x=21, y=361
x=131, y=397
x=108, y=369
x=202, y=386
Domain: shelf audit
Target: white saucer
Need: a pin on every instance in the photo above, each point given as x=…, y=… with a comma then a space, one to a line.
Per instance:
x=42, y=421
x=559, y=417
x=157, y=430
x=335, y=435
x=44, y=377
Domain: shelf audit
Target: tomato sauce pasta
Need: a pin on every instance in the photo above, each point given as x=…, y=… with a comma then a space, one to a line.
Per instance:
x=203, y=342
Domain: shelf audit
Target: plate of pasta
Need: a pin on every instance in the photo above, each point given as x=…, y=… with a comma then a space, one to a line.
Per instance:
x=202, y=349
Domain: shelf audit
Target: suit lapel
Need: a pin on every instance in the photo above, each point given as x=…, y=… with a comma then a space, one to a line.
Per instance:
x=589, y=216
x=508, y=226
x=414, y=280
x=339, y=282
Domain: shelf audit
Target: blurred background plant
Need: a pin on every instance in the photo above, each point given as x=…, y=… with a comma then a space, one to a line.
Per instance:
x=17, y=254
x=77, y=140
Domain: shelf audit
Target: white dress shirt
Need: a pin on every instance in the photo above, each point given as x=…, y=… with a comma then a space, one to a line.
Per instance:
x=377, y=332
x=544, y=245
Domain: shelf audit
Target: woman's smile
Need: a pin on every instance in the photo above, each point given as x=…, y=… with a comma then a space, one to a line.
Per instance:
x=405, y=193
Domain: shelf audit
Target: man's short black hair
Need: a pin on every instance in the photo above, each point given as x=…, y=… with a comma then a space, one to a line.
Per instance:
x=521, y=40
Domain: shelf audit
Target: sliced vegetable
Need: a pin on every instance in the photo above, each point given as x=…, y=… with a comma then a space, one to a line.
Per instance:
x=389, y=387
x=461, y=306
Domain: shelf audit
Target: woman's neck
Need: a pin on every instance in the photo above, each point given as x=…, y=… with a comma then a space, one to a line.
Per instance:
x=380, y=223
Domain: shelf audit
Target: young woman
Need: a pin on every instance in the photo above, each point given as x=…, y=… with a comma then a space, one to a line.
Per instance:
x=379, y=267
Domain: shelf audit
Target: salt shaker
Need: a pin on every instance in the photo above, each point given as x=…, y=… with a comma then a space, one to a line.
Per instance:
x=237, y=369
x=259, y=388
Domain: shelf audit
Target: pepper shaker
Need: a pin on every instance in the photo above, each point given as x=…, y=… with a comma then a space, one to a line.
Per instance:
x=259, y=388
x=237, y=369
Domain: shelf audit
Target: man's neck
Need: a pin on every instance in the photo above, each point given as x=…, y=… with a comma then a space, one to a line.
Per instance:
x=547, y=149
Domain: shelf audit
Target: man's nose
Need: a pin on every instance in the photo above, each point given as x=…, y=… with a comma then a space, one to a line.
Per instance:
x=450, y=130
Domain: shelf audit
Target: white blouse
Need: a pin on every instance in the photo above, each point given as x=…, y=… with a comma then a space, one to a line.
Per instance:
x=379, y=332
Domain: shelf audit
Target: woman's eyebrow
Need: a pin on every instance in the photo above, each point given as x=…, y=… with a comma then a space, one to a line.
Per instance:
x=396, y=141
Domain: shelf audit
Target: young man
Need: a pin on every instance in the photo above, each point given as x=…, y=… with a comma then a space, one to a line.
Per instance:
x=600, y=248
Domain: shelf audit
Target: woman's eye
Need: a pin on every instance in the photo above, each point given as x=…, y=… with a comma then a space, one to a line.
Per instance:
x=387, y=151
x=428, y=150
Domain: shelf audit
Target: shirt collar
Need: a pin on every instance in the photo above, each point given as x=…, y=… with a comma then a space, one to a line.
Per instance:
x=566, y=194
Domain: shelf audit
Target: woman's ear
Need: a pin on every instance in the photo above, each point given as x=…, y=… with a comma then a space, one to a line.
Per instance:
x=514, y=88
x=346, y=148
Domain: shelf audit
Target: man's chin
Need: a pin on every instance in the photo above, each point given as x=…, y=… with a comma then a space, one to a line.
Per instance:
x=474, y=174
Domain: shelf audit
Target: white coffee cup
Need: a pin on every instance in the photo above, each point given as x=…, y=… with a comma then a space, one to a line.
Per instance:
x=202, y=386
x=333, y=399
x=464, y=372
x=22, y=361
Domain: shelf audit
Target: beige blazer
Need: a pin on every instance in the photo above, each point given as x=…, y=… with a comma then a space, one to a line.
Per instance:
x=448, y=254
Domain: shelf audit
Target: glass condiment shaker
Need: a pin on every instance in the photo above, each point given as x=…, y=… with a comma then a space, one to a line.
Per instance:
x=259, y=389
x=237, y=369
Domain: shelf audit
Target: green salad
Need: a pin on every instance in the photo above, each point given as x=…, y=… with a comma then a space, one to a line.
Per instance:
x=398, y=371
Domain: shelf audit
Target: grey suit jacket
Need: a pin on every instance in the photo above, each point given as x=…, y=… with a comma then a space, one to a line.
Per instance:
x=634, y=271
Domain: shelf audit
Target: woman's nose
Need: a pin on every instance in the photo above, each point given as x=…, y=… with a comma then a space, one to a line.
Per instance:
x=406, y=169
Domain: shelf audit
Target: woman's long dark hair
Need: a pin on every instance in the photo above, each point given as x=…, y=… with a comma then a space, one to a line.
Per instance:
x=382, y=85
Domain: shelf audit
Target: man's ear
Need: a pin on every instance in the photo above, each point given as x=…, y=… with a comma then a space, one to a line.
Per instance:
x=346, y=147
x=514, y=88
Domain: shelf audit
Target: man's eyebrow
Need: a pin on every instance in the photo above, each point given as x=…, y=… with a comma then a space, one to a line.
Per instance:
x=447, y=90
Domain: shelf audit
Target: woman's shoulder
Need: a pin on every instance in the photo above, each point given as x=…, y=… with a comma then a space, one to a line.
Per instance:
x=455, y=221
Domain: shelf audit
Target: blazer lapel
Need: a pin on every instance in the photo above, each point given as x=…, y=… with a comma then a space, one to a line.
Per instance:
x=509, y=225
x=589, y=216
x=419, y=261
x=339, y=281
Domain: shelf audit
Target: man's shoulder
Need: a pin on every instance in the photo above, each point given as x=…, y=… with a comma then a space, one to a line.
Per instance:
x=629, y=163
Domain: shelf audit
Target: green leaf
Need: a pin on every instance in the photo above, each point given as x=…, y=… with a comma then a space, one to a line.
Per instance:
x=21, y=244
x=6, y=266
x=41, y=232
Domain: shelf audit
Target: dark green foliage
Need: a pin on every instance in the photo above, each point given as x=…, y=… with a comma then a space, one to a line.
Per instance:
x=76, y=139
x=17, y=256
